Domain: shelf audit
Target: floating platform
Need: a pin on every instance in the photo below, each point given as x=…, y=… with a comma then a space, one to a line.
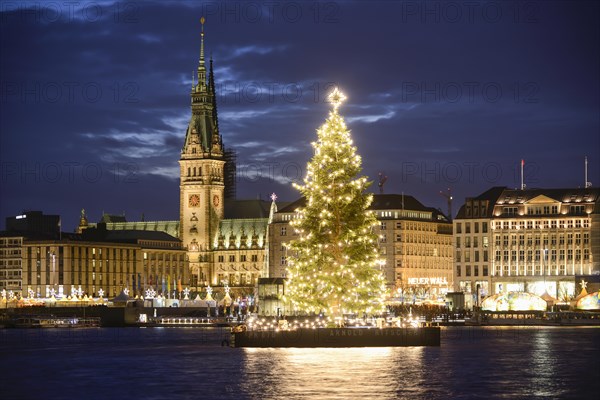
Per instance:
x=338, y=337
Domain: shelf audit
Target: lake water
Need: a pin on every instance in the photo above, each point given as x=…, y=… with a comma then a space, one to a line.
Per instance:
x=190, y=363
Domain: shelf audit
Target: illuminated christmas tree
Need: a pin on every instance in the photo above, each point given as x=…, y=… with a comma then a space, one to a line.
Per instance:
x=334, y=266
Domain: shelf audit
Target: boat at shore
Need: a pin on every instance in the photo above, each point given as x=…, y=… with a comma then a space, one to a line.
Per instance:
x=53, y=322
x=533, y=318
x=187, y=322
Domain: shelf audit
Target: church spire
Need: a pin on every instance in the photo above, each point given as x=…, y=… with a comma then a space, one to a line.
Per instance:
x=211, y=84
x=202, y=42
x=202, y=136
x=201, y=67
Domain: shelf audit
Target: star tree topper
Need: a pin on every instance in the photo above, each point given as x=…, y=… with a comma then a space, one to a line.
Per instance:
x=336, y=97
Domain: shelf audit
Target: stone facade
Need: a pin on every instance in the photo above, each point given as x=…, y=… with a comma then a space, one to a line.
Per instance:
x=534, y=240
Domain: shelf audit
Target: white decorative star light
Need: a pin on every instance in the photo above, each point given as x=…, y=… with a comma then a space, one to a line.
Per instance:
x=100, y=293
x=52, y=292
x=73, y=291
x=273, y=196
x=583, y=284
x=209, y=290
x=79, y=292
x=336, y=97
x=186, y=293
x=29, y=293
x=150, y=293
x=227, y=289
x=126, y=291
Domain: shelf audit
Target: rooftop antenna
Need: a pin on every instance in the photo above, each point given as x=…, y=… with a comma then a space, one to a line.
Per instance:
x=382, y=180
x=587, y=183
x=448, y=195
x=523, y=186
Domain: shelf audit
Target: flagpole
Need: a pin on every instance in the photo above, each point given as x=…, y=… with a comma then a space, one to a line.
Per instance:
x=522, y=181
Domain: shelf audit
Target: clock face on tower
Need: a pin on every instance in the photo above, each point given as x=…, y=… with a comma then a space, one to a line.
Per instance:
x=216, y=200
x=194, y=200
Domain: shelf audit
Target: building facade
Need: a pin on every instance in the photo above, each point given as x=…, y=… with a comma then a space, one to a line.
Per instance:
x=131, y=260
x=11, y=245
x=533, y=240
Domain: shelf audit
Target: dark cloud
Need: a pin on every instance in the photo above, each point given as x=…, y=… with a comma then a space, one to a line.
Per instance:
x=438, y=96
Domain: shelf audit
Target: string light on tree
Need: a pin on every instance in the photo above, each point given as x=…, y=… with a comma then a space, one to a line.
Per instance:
x=334, y=264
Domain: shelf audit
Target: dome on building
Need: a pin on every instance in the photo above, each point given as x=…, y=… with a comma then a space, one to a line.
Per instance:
x=589, y=302
x=514, y=301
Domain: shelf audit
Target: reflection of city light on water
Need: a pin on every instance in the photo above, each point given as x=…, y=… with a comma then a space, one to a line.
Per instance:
x=543, y=363
x=332, y=372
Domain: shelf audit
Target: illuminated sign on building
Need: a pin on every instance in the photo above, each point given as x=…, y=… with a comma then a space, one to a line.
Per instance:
x=428, y=281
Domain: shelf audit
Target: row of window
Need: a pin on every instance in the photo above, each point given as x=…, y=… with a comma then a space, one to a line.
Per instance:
x=467, y=256
x=551, y=255
x=474, y=240
x=10, y=263
x=544, y=210
x=423, y=251
x=542, y=224
x=477, y=226
x=194, y=172
x=243, y=258
x=11, y=242
x=417, y=238
x=531, y=270
x=420, y=264
x=543, y=239
x=10, y=284
x=472, y=270
x=10, y=252
x=411, y=226
x=476, y=209
x=81, y=277
x=405, y=214
x=10, y=274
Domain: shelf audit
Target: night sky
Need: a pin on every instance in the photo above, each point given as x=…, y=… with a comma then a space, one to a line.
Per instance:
x=95, y=96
